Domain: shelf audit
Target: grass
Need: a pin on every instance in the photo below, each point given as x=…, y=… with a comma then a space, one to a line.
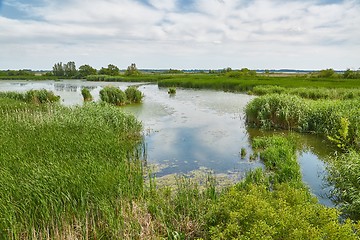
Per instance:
x=290, y=112
x=63, y=168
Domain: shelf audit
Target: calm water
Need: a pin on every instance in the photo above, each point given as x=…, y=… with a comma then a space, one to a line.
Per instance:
x=194, y=129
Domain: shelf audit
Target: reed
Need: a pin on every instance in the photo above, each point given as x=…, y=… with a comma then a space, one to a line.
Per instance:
x=65, y=168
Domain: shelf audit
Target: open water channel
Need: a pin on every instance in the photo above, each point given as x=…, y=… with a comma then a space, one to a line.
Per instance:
x=195, y=131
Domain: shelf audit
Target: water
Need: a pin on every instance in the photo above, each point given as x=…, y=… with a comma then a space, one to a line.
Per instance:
x=194, y=130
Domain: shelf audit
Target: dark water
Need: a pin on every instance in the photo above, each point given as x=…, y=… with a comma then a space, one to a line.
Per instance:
x=195, y=129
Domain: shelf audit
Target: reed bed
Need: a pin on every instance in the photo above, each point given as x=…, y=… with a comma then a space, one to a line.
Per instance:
x=325, y=117
x=309, y=93
x=66, y=168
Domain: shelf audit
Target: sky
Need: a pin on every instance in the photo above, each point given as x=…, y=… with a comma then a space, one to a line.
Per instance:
x=181, y=34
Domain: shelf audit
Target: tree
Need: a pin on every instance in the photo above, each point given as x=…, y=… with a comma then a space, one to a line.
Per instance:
x=111, y=70
x=132, y=70
x=70, y=69
x=85, y=70
x=58, y=69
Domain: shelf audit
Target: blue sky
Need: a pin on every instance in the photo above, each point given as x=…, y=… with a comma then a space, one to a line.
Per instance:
x=182, y=34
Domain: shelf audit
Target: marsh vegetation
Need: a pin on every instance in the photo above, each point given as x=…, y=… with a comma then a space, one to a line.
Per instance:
x=78, y=172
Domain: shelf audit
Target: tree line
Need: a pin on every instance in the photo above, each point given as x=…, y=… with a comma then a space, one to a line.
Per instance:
x=69, y=70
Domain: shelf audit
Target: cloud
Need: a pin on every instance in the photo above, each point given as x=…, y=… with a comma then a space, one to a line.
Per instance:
x=178, y=33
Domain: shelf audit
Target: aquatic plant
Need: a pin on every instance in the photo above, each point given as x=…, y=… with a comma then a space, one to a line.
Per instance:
x=86, y=94
x=343, y=174
x=172, y=90
x=133, y=95
x=113, y=95
x=243, y=153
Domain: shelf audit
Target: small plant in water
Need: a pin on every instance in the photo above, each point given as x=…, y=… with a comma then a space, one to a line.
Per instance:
x=86, y=95
x=172, y=90
x=243, y=153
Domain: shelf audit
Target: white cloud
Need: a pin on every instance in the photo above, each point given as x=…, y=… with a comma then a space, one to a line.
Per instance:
x=236, y=33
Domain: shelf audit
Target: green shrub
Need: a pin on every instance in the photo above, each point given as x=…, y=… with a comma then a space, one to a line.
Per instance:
x=113, y=95
x=172, y=90
x=133, y=95
x=86, y=94
x=41, y=96
x=344, y=174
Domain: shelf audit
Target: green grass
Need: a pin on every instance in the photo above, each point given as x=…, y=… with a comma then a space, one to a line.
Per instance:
x=290, y=112
x=63, y=168
x=247, y=83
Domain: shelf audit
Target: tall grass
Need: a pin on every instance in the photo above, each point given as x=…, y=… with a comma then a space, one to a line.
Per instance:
x=32, y=96
x=247, y=83
x=283, y=111
x=67, y=168
x=344, y=172
x=309, y=92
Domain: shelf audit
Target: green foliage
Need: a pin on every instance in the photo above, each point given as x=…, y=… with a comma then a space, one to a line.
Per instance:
x=86, y=70
x=326, y=73
x=349, y=74
x=13, y=95
x=343, y=174
x=111, y=70
x=274, y=204
x=309, y=93
x=279, y=155
x=324, y=117
x=133, y=95
x=254, y=212
x=342, y=139
x=67, y=70
x=32, y=96
x=41, y=96
x=174, y=71
x=113, y=95
x=243, y=153
x=67, y=172
x=85, y=92
x=240, y=73
x=278, y=111
x=132, y=70
x=172, y=90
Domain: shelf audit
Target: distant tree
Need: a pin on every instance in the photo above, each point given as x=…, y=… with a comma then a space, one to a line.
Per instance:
x=111, y=70
x=349, y=74
x=226, y=70
x=85, y=70
x=174, y=71
x=132, y=70
x=70, y=69
x=58, y=69
x=326, y=73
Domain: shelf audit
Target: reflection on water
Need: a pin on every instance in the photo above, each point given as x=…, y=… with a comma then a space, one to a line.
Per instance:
x=194, y=129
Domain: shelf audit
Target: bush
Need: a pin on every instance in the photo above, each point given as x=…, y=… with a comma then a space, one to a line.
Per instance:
x=113, y=95
x=133, y=95
x=86, y=94
x=41, y=96
x=344, y=172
